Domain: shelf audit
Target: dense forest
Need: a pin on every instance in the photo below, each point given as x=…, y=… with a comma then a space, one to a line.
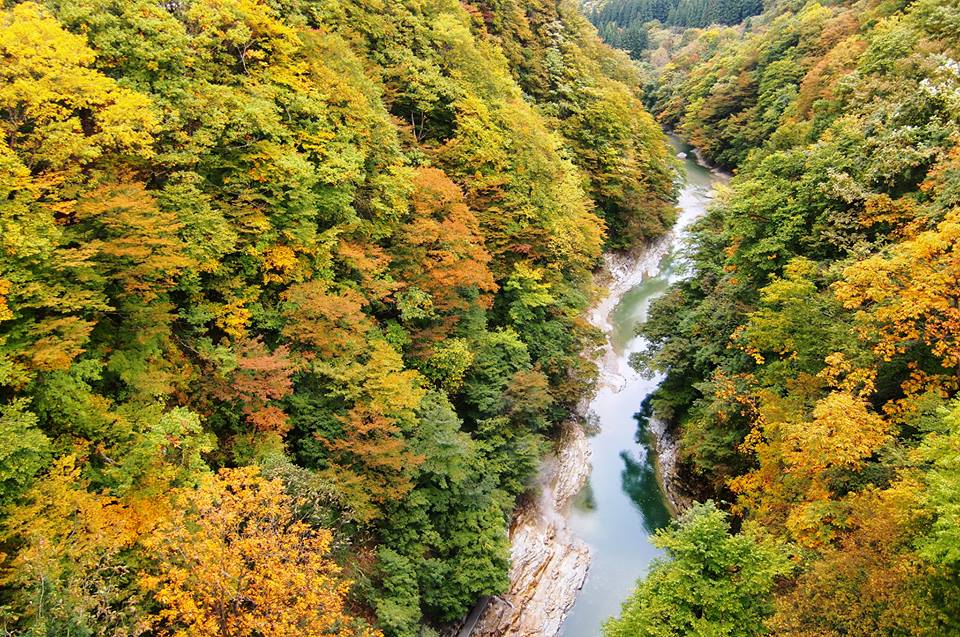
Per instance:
x=812, y=357
x=291, y=300
x=624, y=24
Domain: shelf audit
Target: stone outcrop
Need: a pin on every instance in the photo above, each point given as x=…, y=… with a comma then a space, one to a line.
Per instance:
x=548, y=564
x=666, y=445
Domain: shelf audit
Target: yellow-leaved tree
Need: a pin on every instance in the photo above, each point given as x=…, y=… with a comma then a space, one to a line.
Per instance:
x=234, y=561
x=64, y=127
x=910, y=294
x=69, y=573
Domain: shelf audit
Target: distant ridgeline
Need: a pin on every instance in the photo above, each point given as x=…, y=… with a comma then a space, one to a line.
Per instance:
x=621, y=22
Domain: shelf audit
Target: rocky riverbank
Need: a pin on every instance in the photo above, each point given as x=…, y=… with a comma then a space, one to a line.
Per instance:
x=548, y=564
x=666, y=444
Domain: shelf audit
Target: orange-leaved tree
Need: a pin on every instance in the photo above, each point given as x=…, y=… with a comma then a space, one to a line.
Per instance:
x=234, y=561
x=376, y=397
x=442, y=253
x=258, y=380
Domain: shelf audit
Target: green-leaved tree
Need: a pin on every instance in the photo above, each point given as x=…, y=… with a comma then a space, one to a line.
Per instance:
x=716, y=583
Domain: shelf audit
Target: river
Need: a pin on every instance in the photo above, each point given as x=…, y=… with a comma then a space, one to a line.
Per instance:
x=623, y=504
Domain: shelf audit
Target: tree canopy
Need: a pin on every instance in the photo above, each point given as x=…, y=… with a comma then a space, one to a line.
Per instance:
x=291, y=297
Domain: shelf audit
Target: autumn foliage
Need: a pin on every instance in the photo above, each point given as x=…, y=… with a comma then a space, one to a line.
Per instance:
x=812, y=357
x=269, y=274
x=233, y=560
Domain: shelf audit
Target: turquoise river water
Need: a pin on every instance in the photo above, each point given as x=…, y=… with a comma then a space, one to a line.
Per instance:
x=623, y=504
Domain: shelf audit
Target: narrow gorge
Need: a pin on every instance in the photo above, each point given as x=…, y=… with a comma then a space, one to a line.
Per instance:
x=579, y=545
x=407, y=319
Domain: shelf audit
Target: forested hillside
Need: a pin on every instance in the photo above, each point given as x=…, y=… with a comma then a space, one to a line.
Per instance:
x=812, y=357
x=290, y=301
x=625, y=24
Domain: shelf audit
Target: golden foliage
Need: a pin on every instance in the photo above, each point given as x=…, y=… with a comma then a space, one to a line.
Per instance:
x=910, y=294
x=233, y=561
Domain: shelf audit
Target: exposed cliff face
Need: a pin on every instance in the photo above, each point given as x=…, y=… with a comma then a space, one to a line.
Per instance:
x=666, y=445
x=549, y=564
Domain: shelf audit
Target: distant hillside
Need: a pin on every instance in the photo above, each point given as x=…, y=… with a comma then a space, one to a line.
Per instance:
x=621, y=23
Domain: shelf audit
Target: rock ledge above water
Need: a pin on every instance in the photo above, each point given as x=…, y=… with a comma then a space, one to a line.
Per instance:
x=549, y=564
